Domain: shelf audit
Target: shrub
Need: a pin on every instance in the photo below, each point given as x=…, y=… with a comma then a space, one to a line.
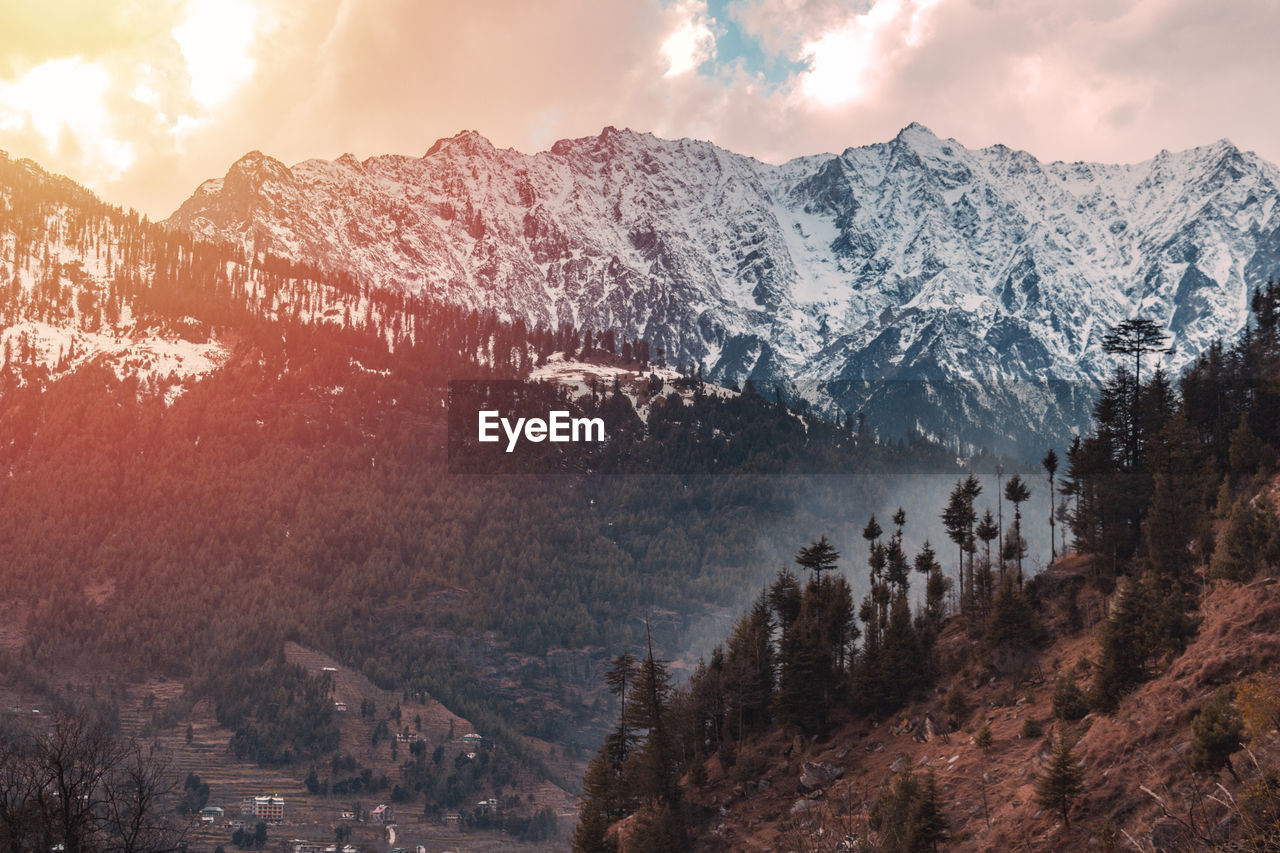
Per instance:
x=1069, y=701
x=1216, y=733
x=1258, y=700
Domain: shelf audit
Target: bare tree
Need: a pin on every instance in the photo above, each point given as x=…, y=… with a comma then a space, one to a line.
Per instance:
x=131, y=805
x=72, y=785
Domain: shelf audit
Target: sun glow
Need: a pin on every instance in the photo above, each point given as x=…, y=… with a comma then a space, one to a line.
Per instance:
x=215, y=40
x=135, y=78
x=64, y=102
x=846, y=63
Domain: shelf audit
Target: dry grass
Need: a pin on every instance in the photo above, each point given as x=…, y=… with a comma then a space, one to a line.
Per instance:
x=1141, y=745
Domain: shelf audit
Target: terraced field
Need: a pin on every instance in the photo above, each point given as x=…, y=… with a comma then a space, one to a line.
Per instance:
x=307, y=816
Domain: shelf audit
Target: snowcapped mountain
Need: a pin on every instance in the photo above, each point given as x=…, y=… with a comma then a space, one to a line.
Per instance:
x=84, y=282
x=852, y=276
x=71, y=268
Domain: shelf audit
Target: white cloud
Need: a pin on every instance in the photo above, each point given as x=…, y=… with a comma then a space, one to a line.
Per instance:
x=691, y=42
x=846, y=62
x=1109, y=80
x=65, y=102
x=215, y=39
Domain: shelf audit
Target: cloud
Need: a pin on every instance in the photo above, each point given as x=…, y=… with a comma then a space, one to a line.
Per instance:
x=847, y=61
x=692, y=42
x=215, y=37
x=103, y=92
x=784, y=26
x=149, y=98
x=63, y=103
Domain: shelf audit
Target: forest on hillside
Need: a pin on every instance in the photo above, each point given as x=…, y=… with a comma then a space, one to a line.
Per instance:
x=1169, y=494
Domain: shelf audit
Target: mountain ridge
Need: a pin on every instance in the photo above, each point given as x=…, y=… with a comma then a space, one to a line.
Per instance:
x=913, y=259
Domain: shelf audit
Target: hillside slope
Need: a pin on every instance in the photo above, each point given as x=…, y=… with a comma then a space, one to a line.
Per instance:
x=1139, y=792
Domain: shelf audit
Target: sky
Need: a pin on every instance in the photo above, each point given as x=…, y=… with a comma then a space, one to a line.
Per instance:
x=142, y=101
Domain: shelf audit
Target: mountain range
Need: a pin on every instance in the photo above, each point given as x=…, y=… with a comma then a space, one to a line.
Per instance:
x=984, y=270
x=962, y=293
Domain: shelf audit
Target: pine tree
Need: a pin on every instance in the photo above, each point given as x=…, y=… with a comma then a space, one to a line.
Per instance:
x=1245, y=453
x=813, y=652
x=1249, y=541
x=655, y=757
x=907, y=815
x=930, y=823
x=785, y=599
x=958, y=518
x=1017, y=493
x=618, y=678
x=1174, y=516
x=702, y=710
x=926, y=563
x=1068, y=700
x=987, y=531
x=749, y=669
x=818, y=557
x=972, y=491
x=902, y=671
x=1148, y=620
x=1062, y=781
x=801, y=696
x=1050, y=463
x=1064, y=519
x=596, y=807
x=896, y=566
x=872, y=531
x=1134, y=337
x=1012, y=630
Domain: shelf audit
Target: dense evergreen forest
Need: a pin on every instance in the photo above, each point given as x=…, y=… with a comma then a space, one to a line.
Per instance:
x=1168, y=493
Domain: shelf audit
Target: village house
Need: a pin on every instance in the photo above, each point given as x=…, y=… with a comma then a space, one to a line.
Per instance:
x=269, y=809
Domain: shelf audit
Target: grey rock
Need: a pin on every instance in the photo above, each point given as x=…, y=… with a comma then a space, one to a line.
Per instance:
x=815, y=774
x=803, y=805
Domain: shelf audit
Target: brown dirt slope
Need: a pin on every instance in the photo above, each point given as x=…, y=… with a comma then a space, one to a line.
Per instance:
x=1136, y=774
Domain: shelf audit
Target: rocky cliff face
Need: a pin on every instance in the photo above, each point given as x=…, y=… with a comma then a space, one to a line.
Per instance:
x=852, y=276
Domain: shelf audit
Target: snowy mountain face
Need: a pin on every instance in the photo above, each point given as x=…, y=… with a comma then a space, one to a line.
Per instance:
x=962, y=292
x=85, y=283
x=70, y=268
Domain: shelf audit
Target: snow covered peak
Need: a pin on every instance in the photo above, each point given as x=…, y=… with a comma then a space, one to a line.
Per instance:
x=348, y=160
x=256, y=167
x=467, y=143
x=916, y=257
x=917, y=135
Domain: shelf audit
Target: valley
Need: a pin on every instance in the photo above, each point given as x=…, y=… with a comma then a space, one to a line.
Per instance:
x=235, y=504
